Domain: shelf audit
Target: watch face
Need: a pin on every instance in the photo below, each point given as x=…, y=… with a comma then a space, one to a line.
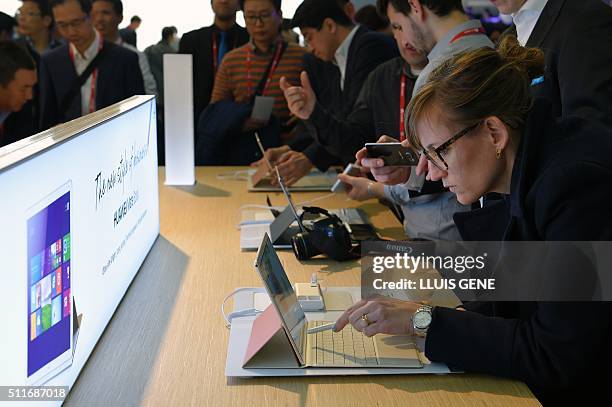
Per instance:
x=422, y=319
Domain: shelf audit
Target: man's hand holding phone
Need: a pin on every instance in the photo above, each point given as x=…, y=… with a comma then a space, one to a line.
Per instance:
x=389, y=175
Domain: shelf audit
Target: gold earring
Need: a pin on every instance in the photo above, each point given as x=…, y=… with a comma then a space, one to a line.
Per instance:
x=498, y=154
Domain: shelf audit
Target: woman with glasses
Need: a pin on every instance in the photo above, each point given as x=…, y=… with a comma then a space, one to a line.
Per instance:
x=479, y=131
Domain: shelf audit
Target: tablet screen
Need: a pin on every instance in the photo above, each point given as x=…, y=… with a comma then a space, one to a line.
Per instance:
x=49, y=301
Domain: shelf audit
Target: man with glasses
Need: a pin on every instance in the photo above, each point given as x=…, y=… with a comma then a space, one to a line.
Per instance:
x=208, y=45
x=36, y=24
x=86, y=74
x=249, y=71
x=348, y=54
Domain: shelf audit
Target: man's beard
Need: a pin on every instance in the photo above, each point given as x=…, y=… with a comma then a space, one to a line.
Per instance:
x=420, y=43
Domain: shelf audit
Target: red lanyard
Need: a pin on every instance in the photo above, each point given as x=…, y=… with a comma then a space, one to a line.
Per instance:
x=402, y=110
x=468, y=32
x=94, y=76
x=275, y=62
x=215, y=50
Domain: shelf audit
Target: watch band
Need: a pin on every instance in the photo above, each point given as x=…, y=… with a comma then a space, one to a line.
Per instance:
x=370, y=184
x=422, y=308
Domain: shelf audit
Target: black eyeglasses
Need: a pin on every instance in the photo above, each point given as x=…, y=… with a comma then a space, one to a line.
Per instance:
x=434, y=155
x=263, y=18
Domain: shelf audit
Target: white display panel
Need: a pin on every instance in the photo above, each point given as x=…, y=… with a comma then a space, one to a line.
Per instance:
x=77, y=220
x=178, y=119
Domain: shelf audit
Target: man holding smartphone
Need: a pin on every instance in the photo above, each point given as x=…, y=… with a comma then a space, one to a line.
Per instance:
x=441, y=28
x=378, y=112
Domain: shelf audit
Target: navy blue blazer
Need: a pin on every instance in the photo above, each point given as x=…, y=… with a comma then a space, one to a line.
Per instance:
x=119, y=77
x=561, y=350
x=575, y=37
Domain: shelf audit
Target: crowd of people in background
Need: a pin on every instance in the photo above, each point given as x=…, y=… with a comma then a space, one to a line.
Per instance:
x=526, y=110
x=82, y=61
x=35, y=27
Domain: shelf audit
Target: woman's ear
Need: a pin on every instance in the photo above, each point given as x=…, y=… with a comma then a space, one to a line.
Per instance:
x=497, y=132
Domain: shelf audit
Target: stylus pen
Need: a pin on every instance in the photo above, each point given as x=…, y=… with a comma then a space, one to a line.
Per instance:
x=322, y=328
x=263, y=152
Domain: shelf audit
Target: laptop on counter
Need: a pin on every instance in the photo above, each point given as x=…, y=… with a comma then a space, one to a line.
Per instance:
x=280, y=339
x=261, y=181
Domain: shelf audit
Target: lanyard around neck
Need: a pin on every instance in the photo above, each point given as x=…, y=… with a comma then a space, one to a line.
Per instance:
x=277, y=56
x=467, y=33
x=94, y=76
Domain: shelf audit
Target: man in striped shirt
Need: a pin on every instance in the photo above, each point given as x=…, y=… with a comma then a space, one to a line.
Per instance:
x=243, y=69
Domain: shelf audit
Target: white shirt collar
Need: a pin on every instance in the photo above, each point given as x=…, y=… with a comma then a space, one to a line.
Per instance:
x=341, y=54
x=90, y=52
x=526, y=18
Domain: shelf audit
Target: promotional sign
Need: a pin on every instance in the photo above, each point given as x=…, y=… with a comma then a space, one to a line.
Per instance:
x=78, y=216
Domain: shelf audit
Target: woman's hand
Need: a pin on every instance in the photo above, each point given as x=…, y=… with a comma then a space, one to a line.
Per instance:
x=383, y=315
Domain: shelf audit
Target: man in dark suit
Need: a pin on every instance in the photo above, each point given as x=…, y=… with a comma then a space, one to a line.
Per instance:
x=575, y=37
x=208, y=45
x=17, y=79
x=347, y=54
x=116, y=76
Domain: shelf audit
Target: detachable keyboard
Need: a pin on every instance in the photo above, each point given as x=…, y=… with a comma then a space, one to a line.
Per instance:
x=348, y=347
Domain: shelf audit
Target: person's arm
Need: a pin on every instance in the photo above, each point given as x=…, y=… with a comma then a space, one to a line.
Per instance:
x=560, y=342
x=362, y=188
x=585, y=79
x=344, y=138
x=186, y=44
x=373, y=51
x=48, y=99
x=302, y=137
x=319, y=156
x=397, y=194
x=150, y=85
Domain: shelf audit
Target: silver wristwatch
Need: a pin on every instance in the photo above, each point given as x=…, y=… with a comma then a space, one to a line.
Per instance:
x=422, y=319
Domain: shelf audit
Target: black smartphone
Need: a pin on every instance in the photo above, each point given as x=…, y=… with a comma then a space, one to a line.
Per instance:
x=393, y=154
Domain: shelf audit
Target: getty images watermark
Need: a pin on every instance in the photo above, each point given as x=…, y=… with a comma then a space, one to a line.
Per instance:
x=491, y=271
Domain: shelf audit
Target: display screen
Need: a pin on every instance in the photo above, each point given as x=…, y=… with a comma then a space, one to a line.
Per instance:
x=49, y=275
x=281, y=292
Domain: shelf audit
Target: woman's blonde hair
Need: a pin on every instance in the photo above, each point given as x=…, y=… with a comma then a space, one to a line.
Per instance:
x=479, y=83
